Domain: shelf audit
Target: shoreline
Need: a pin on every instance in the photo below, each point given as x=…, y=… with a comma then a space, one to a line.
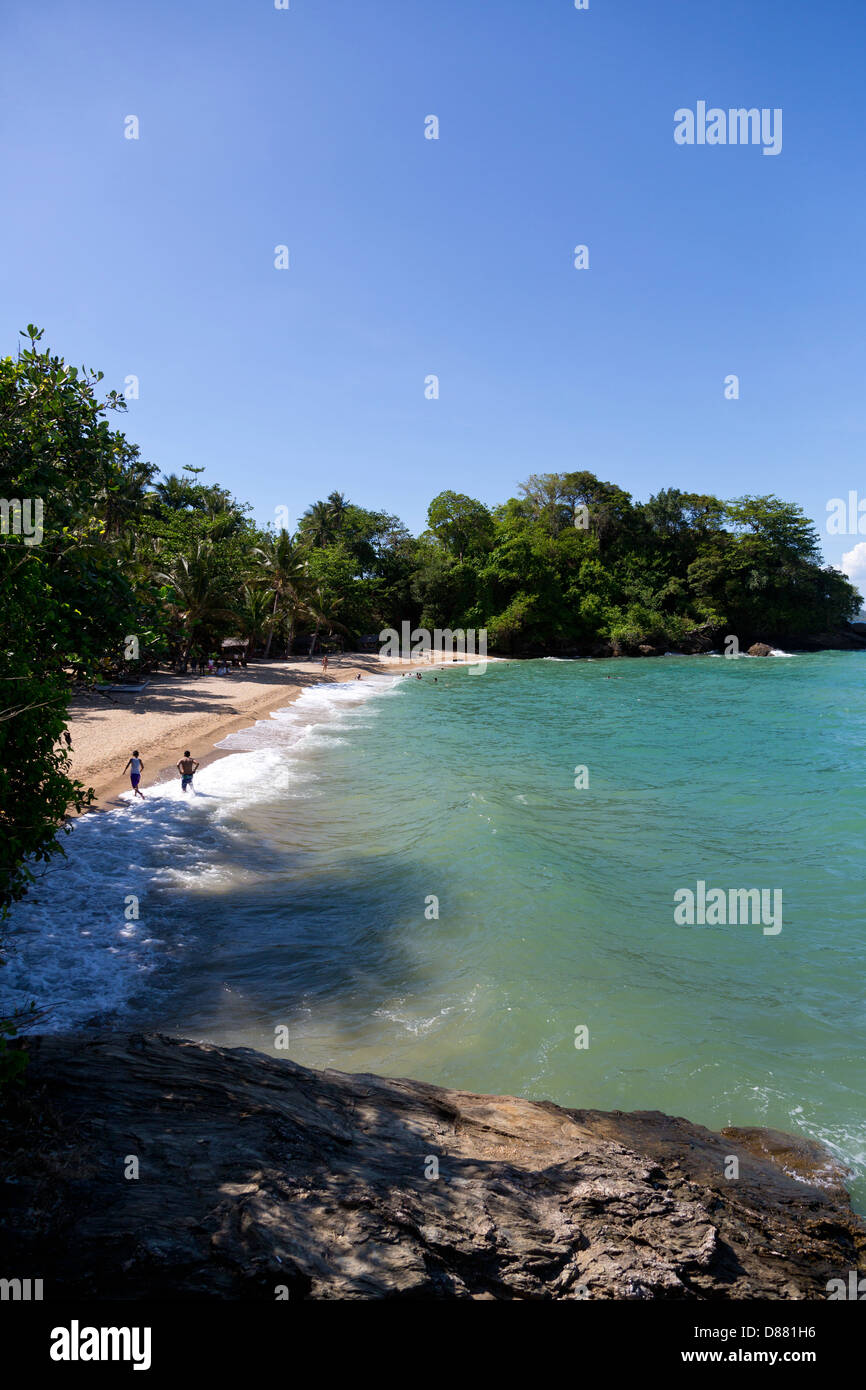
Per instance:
x=278, y=688
x=175, y=712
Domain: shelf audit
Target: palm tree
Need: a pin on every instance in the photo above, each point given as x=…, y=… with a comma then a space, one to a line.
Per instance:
x=317, y=524
x=254, y=615
x=292, y=610
x=136, y=555
x=199, y=600
x=285, y=570
x=128, y=496
x=216, y=500
x=173, y=492
x=339, y=506
x=325, y=614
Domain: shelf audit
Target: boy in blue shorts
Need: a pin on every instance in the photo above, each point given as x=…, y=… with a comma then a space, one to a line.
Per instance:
x=186, y=766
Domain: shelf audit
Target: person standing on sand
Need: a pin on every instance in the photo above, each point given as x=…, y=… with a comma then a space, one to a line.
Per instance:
x=136, y=767
x=325, y=662
x=187, y=766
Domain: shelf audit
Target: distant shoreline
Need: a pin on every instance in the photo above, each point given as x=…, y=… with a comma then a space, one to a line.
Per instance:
x=176, y=712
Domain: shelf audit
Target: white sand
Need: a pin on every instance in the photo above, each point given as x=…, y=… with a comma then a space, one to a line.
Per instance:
x=195, y=712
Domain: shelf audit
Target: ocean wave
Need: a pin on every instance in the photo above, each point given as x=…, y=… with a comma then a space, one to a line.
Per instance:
x=98, y=923
x=317, y=705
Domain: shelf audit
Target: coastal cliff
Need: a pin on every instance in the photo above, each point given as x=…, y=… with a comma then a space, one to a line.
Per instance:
x=258, y=1179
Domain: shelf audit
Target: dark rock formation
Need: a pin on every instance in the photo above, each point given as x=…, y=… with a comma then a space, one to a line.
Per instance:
x=848, y=639
x=700, y=639
x=760, y=649
x=257, y=1175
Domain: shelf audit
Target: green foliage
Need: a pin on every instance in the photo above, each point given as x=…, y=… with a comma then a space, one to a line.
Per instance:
x=571, y=564
x=575, y=564
x=283, y=568
x=198, y=595
x=67, y=603
x=461, y=524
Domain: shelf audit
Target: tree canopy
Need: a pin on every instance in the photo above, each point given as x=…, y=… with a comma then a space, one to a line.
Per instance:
x=133, y=568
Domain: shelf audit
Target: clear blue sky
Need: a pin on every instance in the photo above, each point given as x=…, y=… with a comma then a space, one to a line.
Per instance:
x=410, y=256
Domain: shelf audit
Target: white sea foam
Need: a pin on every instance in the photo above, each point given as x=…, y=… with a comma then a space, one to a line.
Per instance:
x=71, y=946
x=774, y=651
x=314, y=709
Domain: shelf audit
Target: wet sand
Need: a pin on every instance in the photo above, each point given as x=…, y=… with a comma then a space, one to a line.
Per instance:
x=176, y=712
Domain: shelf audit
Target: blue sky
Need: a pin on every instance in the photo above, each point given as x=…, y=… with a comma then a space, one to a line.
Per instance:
x=411, y=257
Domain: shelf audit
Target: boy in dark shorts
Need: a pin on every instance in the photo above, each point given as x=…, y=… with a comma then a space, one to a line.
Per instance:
x=186, y=766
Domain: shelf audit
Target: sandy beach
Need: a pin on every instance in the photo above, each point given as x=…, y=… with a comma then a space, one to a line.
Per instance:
x=176, y=712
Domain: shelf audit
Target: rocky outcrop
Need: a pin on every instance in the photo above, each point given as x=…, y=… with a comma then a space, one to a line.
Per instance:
x=760, y=649
x=709, y=637
x=851, y=638
x=257, y=1178
x=701, y=639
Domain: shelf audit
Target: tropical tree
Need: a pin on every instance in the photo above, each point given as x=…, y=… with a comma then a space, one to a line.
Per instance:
x=174, y=492
x=339, y=506
x=283, y=563
x=255, y=618
x=461, y=523
x=66, y=599
x=325, y=615
x=125, y=498
x=317, y=525
x=197, y=596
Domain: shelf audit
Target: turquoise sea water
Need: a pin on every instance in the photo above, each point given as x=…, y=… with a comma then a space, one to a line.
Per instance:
x=293, y=891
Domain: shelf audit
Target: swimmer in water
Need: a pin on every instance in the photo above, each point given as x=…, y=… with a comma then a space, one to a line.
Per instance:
x=187, y=766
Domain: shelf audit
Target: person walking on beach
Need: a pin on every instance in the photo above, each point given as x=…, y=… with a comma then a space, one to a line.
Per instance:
x=325, y=662
x=136, y=767
x=187, y=766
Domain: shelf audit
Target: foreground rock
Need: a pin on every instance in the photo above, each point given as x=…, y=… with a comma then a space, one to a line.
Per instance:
x=257, y=1174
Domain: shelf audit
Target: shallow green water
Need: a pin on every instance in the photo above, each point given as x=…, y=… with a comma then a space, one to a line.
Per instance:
x=292, y=891
x=556, y=904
